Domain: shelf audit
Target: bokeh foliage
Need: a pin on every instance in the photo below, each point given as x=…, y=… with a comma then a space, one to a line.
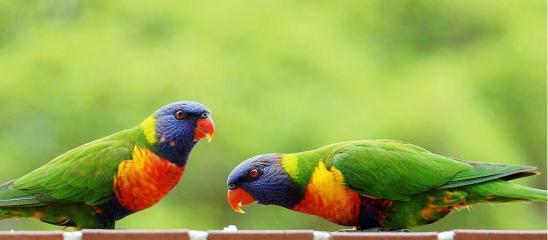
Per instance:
x=461, y=78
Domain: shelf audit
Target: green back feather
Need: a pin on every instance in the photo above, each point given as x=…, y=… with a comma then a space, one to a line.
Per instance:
x=84, y=174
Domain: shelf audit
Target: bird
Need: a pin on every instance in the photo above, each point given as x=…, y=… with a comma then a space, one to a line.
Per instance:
x=94, y=185
x=375, y=185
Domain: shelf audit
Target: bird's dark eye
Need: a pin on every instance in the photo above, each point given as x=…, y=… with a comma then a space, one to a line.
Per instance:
x=204, y=115
x=254, y=173
x=180, y=115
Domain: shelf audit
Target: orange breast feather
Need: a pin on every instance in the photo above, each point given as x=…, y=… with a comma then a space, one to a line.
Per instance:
x=327, y=197
x=145, y=180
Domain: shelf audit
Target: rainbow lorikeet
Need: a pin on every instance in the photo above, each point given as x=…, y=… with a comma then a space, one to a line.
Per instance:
x=100, y=182
x=378, y=185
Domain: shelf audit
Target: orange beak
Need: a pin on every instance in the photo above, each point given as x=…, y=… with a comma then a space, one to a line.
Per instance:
x=204, y=129
x=239, y=197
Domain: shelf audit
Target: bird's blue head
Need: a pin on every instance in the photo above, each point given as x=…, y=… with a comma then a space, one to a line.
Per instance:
x=174, y=129
x=261, y=178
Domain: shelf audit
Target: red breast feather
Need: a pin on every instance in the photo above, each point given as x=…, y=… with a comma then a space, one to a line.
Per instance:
x=145, y=180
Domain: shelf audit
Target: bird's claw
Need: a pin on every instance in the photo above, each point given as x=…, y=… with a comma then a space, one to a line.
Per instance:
x=375, y=229
x=347, y=230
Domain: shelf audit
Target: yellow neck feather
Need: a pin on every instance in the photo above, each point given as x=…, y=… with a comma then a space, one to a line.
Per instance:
x=290, y=164
x=149, y=129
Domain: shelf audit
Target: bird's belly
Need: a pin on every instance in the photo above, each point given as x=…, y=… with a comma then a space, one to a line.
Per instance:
x=144, y=180
x=327, y=197
x=342, y=210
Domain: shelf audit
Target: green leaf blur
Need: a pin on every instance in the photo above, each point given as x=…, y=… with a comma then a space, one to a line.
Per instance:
x=460, y=78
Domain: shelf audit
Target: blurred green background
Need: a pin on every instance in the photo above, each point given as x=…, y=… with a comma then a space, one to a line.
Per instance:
x=461, y=78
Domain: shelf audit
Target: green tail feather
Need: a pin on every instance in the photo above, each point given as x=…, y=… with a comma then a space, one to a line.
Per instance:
x=503, y=191
x=484, y=172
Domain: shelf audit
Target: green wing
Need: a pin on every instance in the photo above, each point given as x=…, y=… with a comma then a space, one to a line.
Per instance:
x=84, y=174
x=397, y=170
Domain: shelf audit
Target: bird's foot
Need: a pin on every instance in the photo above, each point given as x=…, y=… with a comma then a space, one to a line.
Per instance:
x=375, y=229
x=347, y=230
